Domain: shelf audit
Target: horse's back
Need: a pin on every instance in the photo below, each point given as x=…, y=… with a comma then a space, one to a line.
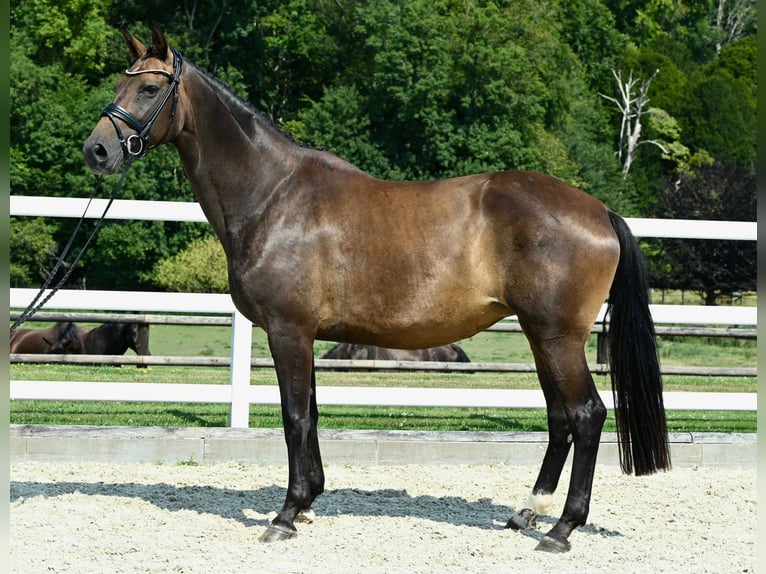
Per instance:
x=349, y=351
x=110, y=339
x=27, y=341
x=54, y=339
x=448, y=353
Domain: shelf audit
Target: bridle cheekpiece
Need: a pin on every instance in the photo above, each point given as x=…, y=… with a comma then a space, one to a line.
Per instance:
x=136, y=145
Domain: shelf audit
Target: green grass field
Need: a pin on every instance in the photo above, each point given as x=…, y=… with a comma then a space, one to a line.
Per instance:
x=484, y=347
x=335, y=417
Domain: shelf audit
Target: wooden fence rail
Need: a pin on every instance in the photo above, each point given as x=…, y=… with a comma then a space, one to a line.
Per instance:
x=357, y=364
x=510, y=325
x=505, y=326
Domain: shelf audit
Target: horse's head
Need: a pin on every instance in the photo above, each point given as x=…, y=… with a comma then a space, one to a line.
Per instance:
x=66, y=339
x=145, y=112
x=130, y=335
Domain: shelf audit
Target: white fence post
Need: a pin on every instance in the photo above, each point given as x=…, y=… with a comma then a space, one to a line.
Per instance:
x=241, y=346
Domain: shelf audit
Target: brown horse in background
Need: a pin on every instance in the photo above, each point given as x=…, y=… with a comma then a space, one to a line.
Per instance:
x=318, y=249
x=62, y=337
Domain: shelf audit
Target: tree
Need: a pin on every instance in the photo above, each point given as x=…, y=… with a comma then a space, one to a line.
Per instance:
x=713, y=268
x=633, y=103
x=719, y=117
x=718, y=113
x=683, y=30
x=199, y=268
x=33, y=250
x=417, y=89
x=434, y=89
x=589, y=29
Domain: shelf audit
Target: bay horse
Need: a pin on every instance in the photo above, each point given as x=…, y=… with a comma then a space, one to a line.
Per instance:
x=62, y=337
x=318, y=249
x=451, y=353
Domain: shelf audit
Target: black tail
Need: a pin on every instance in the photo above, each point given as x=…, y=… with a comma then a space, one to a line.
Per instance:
x=634, y=366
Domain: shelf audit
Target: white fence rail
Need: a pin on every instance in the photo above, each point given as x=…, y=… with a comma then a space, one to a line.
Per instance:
x=240, y=393
x=22, y=205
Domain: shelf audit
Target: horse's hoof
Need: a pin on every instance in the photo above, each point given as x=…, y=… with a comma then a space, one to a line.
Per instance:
x=523, y=519
x=549, y=544
x=277, y=532
x=308, y=516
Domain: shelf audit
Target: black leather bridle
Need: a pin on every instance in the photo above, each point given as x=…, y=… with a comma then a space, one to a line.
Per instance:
x=136, y=145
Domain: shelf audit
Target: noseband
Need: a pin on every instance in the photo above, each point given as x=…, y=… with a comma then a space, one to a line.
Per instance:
x=136, y=145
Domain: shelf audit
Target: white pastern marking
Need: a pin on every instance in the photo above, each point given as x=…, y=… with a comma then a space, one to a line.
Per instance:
x=540, y=503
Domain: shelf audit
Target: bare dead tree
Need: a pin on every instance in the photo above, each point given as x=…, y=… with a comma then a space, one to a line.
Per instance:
x=633, y=103
x=734, y=17
x=190, y=10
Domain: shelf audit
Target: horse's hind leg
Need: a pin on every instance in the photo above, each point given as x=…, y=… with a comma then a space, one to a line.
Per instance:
x=576, y=411
x=559, y=442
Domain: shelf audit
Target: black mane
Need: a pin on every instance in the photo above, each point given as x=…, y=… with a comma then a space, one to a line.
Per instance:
x=248, y=117
x=253, y=121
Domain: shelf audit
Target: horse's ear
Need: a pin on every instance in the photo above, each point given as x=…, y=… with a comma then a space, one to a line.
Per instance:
x=159, y=42
x=136, y=48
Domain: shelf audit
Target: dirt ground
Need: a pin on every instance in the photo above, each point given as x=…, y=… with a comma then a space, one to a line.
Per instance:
x=89, y=518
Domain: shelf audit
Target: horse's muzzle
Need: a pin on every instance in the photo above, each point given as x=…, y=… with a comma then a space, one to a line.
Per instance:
x=103, y=155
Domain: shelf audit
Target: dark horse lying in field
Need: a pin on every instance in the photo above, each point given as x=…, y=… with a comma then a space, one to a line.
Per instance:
x=60, y=338
x=448, y=353
x=318, y=249
x=112, y=339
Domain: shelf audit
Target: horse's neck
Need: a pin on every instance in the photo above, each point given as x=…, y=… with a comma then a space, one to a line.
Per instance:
x=233, y=158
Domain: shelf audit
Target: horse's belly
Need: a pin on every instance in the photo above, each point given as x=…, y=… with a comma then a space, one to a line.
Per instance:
x=418, y=326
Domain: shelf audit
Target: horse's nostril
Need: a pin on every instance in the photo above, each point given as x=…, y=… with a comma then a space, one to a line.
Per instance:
x=100, y=151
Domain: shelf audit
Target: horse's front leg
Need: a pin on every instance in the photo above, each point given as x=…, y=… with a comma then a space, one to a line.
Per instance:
x=294, y=363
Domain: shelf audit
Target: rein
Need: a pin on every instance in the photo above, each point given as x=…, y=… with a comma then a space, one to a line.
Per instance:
x=141, y=140
x=34, y=306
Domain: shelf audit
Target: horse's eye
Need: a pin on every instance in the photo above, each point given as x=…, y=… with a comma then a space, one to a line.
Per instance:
x=149, y=90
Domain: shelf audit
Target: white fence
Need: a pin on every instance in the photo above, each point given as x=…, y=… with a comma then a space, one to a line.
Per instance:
x=240, y=393
x=192, y=212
